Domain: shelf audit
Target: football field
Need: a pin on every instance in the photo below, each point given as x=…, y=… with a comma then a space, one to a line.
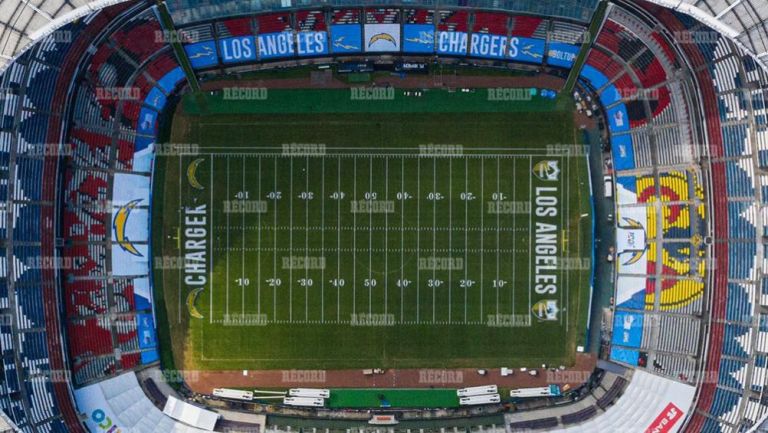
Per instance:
x=344, y=244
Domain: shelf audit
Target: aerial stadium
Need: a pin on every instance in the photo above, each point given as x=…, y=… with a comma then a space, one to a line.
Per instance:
x=384, y=217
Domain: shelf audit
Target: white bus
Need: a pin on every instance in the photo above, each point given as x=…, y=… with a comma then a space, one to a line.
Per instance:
x=309, y=392
x=235, y=394
x=477, y=390
x=480, y=399
x=544, y=391
x=304, y=401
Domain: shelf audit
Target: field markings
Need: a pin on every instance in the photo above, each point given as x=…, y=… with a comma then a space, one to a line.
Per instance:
x=386, y=237
x=530, y=231
x=290, y=245
x=482, y=234
x=418, y=239
x=450, y=233
x=466, y=235
x=434, y=236
x=338, y=241
x=514, y=236
x=370, y=239
x=274, y=254
x=354, y=240
x=306, y=240
x=322, y=239
x=402, y=239
x=210, y=257
x=228, y=249
x=242, y=239
x=258, y=271
x=498, y=191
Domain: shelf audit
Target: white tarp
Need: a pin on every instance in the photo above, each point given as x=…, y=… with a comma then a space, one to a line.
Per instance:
x=130, y=187
x=126, y=264
x=650, y=403
x=190, y=414
x=121, y=403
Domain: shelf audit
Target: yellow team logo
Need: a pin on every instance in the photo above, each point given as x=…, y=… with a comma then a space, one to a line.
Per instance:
x=192, y=174
x=191, y=299
x=119, y=225
x=547, y=170
x=382, y=37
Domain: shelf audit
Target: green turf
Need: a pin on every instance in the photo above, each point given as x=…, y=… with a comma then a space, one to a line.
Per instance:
x=399, y=398
x=260, y=314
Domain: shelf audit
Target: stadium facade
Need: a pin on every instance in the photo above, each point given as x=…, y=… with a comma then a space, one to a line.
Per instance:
x=690, y=160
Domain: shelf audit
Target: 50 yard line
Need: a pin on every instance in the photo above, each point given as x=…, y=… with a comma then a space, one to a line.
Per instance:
x=210, y=257
x=226, y=316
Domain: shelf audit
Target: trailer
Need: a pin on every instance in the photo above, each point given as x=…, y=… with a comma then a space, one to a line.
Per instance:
x=309, y=392
x=304, y=401
x=477, y=390
x=480, y=399
x=234, y=394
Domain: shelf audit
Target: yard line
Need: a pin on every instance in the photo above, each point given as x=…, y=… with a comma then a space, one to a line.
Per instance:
x=242, y=242
x=402, y=236
x=227, y=255
x=530, y=229
x=418, y=238
x=466, y=239
x=370, y=237
x=354, y=239
x=482, y=234
x=434, y=235
x=338, y=240
x=322, y=239
x=498, y=191
x=210, y=255
x=290, y=246
x=450, y=232
x=306, y=242
x=514, y=236
x=274, y=251
x=258, y=272
x=386, y=235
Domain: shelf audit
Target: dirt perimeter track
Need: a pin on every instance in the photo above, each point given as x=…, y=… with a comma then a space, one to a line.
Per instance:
x=205, y=381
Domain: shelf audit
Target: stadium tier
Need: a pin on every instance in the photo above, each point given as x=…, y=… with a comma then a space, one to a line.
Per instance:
x=684, y=106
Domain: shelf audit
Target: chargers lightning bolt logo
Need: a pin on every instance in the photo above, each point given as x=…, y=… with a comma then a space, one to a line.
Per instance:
x=119, y=225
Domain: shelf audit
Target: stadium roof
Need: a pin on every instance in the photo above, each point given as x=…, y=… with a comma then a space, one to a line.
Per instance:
x=742, y=20
x=25, y=21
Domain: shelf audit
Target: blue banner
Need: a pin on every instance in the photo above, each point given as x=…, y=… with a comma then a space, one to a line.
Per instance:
x=146, y=331
x=627, y=329
x=596, y=78
x=273, y=45
x=311, y=43
x=202, y=54
x=147, y=122
x=347, y=38
x=156, y=99
x=238, y=49
x=526, y=50
x=171, y=79
x=618, y=119
x=419, y=38
x=623, y=152
x=626, y=356
x=488, y=46
x=610, y=96
x=453, y=43
x=562, y=55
